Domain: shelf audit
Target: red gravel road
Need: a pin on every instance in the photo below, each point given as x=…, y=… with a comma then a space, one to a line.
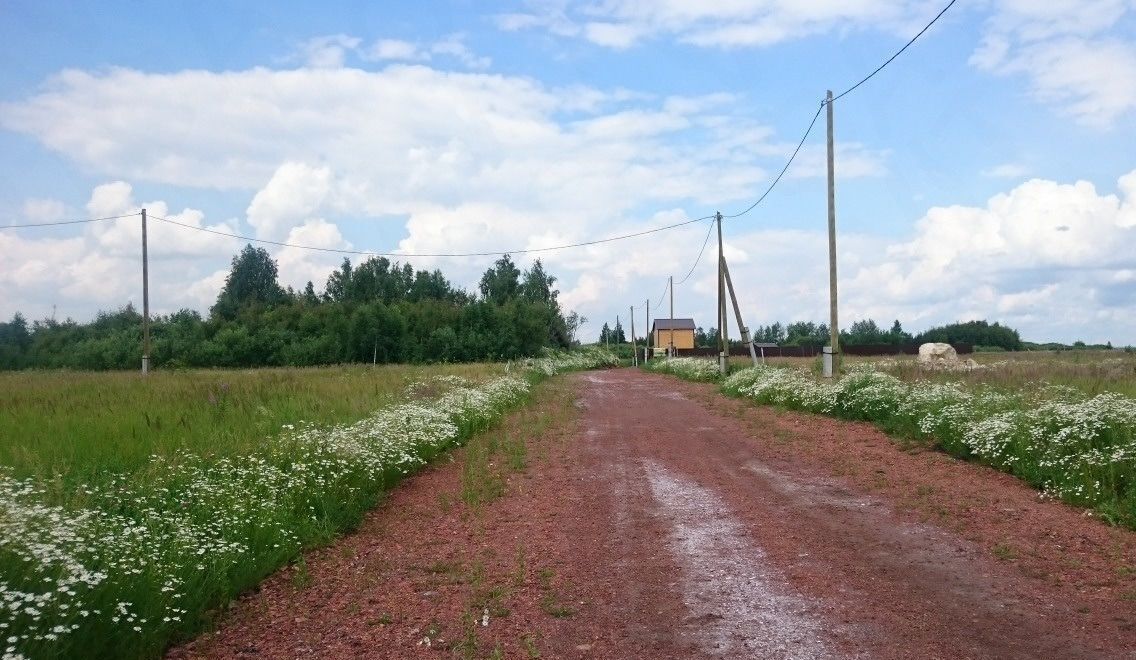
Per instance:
x=659, y=519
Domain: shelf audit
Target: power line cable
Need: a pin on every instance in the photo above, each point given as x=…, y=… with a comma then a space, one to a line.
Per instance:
x=664, y=294
x=448, y=254
x=816, y=116
x=705, y=242
x=58, y=223
x=785, y=169
x=808, y=131
x=898, y=52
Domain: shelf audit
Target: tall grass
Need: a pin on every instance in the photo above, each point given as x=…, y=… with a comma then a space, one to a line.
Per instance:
x=68, y=427
x=139, y=558
x=1091, y=372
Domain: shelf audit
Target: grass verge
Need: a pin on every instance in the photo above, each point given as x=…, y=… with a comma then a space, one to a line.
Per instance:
x=140, y=559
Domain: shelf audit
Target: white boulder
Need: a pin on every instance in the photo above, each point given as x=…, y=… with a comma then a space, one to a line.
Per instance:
x=935, y=352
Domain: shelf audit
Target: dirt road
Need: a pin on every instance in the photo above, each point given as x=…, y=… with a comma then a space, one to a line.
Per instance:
x=658, y=519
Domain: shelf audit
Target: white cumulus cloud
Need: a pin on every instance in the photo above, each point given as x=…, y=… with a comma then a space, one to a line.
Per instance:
x=1077, y=54
x=1045, y=255
x=621, y=24
x=329, y=51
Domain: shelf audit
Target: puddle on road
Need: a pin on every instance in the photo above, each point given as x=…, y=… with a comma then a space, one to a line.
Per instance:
x=739, y=604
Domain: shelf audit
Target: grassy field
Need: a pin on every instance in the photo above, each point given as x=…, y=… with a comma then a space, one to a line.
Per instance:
x=131, y=509
x=1063, y=422
x=68, y=427
x=1091, y=372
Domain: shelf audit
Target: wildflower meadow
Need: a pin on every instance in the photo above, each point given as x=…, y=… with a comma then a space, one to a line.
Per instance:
x=690, y=368
x=134, y=561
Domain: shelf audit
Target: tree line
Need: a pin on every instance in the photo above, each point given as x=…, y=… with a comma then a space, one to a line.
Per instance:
x=868, y=332
x=377, y=310
x=982, y=334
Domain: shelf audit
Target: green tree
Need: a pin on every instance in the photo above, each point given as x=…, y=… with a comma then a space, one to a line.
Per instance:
x=309, y=297
x=806, y=333
x=572, y=324
x=500, y=283
x=338, y=285
x=538, y=286
x=617, y=336
x=773, y=333
x=432, y=285
x=897, y=335
x=863, y=333
x=252, y=280
x=976, y=333
x=15, y=339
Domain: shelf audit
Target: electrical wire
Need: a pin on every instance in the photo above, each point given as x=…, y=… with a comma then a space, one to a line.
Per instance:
x=447, y=254
x=705, y=242
x=57, y=223
x=816, y=116
x=664, y=294
x=812, y=124
x=898, y=52
x=785, y=169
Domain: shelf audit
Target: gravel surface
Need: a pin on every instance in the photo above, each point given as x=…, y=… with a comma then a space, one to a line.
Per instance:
x=658, y=519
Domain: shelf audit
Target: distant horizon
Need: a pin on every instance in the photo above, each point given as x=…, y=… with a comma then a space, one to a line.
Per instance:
x=611, y=322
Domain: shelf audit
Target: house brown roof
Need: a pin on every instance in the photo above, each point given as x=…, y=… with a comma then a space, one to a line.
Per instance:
x=673, y=324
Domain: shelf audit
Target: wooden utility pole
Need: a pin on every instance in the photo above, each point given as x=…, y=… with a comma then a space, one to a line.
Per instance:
x=649, y=338
x=145, y=300
x=671, y=332
x=746, y=339
x=634, y=345
x=723, y=341
x=832, y=367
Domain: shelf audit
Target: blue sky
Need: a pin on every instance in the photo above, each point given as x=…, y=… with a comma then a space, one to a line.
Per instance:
x=987, y=173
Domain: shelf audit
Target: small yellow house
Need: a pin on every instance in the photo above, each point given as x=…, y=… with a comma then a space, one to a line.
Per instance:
x=679, y=331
